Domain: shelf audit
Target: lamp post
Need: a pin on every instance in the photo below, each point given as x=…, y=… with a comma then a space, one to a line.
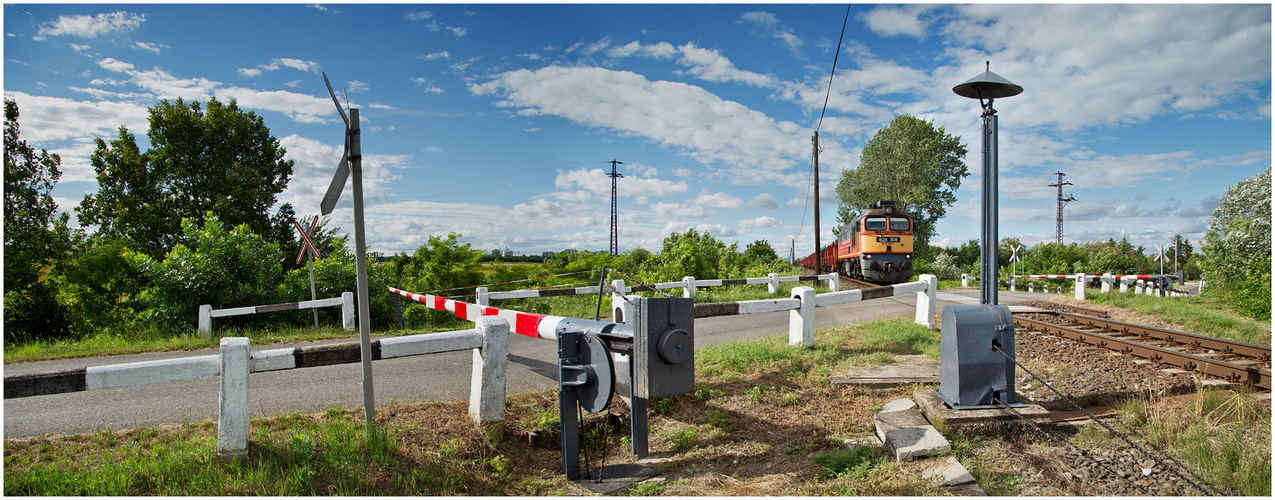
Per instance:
x=986, y=88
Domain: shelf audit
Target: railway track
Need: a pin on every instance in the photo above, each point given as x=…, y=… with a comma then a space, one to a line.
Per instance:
x=1227, y=359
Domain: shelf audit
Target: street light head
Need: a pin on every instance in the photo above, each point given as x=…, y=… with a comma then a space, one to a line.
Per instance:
x=987, y=86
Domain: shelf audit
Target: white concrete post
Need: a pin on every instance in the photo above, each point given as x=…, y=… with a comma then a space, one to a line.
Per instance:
x=1106, y=283
x=625, y=309
x=773, y=286
x=834, y=283
x=487, y=383
x=927, y=301
x=1139, y=287
x=689, y=292
x=965, y=281
x=482, y=296
x=801, y=321
x=1080, y=287
x=1031, y=288
x=1013, y=285
x=1124, y=285
x=617, y=299
x=232, y=399
x=347, y=311
x=205, y=321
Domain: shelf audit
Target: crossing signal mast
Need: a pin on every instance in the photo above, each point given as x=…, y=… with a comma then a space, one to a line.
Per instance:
x=615, y=221
x=1061, y=203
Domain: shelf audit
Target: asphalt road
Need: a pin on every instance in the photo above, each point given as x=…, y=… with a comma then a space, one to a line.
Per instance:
x=434, y=377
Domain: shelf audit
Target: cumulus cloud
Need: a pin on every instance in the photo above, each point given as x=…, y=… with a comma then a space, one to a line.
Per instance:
x=763, y=221
x=764, y=201
x=718, y=200
x=896, y=20
x=282, y=62
x=93, y=26
x=719, y=133
x=582, y=183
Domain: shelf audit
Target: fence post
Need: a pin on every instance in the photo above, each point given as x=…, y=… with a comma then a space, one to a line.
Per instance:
x=1106, y=283
x=965, y=281
x=1124, y=285
x=1080, y=286
x=801, y=321
x=232, y=407
x=927, y=301
x=773, y=286
x=618, y=312
x=205, y=321
x=483, y=296
x=689, y=292
x=834, y=283
x=1139, y=287
x=1013, y=285
x=347, y=311
x=487, y=382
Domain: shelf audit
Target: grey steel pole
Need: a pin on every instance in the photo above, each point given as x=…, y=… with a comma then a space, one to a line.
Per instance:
x=360, y=262
x=993, y=240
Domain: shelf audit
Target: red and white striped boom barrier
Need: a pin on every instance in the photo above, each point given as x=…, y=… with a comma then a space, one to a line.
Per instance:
x=541, y=326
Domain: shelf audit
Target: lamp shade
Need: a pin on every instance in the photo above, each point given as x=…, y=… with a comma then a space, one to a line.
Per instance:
x=987, y=86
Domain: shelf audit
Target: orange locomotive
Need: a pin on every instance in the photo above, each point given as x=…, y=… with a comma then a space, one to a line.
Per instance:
x=876, y=246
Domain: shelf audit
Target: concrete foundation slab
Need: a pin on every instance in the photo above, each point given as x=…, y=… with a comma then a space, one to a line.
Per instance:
x=950, y=472
x=906, y=433
x=616, y=477
x=934, y=408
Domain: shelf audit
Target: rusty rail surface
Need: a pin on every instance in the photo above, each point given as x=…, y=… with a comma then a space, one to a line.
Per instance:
x=1233, y=371
x=1175, y=338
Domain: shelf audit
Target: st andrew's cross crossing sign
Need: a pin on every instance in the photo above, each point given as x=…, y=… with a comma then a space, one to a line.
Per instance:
x=307, y=239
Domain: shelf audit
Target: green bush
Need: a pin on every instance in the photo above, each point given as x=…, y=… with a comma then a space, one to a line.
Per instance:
x=221, y=267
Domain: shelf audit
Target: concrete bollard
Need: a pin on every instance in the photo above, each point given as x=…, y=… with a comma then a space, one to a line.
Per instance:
x=205, y=321
x=965, y=281
x=927, y=301
x=232, y=400
x=1106, y=283
x=834, y=283
x=482, y=296
x=689, y=292
x=347, y=311
x=801, y=321
x=773, y=285
x=1139, y=287
x=1013, y=285
x=1124, y=285
x=1031, y=288
x=487, y=382
x=1080, y=287
x=618, y=314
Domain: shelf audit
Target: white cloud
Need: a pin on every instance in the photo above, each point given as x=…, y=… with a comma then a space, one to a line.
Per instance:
x=435, y=55
x=765, y=19
x=93, y=26
x=283, y=62
x=718, y=200
x=420, y=16
x=893, y=21
x=764, y=201
x=665, y=211
x=749, y=147
x=598, y=182
x=153, y=48
x=763, y=221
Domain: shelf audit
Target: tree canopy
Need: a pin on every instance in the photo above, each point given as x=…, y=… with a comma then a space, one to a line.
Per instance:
x=914, y=164
x=220, y=159
x=1237, y=247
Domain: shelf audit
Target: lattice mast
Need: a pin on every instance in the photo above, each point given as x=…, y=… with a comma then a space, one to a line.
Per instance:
x=615, y=221
x=1062, y=202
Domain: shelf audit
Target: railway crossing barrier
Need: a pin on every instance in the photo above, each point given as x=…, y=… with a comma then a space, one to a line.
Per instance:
x=489, y=343
x=688, y=285
x=1156, y=285
x=346, y=301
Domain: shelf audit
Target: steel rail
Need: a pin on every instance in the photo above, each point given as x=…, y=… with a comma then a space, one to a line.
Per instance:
x=1195, y=340
x=1234, y=372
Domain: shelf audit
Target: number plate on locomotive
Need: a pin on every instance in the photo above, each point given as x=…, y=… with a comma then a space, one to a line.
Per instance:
x=887, y=239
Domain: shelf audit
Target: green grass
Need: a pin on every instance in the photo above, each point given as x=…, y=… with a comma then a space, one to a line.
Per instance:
x=1205, y=315
x=1221, y=437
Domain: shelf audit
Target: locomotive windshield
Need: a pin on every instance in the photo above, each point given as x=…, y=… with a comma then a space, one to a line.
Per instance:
x=900, y=224
x=874, y=224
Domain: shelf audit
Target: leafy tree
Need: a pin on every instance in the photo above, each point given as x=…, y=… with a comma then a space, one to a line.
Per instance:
x=220, y=160
x=99, y=286
x=945, y=267
x=1239, y=241
x=912, y=163
x=34, y=237
x=219, y=266
x=687, y=254
x=759, y=252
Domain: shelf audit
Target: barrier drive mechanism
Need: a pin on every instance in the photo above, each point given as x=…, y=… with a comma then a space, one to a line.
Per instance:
x=657, y=360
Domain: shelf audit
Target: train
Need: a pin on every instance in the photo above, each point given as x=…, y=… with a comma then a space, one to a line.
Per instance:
x=875, y=247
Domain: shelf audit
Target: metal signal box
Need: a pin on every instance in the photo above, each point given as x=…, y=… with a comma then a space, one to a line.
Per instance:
x=663, y=347
x=972, y=374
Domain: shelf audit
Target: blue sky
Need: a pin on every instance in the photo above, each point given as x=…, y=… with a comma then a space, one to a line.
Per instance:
x=498, y=121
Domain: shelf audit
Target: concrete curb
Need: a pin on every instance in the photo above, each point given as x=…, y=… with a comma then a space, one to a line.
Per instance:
x=906, y=433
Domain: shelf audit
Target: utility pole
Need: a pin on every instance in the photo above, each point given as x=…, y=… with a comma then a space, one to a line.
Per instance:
x=1061, y=203
x=615, y=221
x=818, y=257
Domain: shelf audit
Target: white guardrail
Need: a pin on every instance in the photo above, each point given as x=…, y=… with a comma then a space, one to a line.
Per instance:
x=1143, y=284
x=489, y=343
x=346, y=301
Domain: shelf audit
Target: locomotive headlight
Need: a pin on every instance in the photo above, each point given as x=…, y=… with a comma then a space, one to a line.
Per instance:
x=909, y=256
